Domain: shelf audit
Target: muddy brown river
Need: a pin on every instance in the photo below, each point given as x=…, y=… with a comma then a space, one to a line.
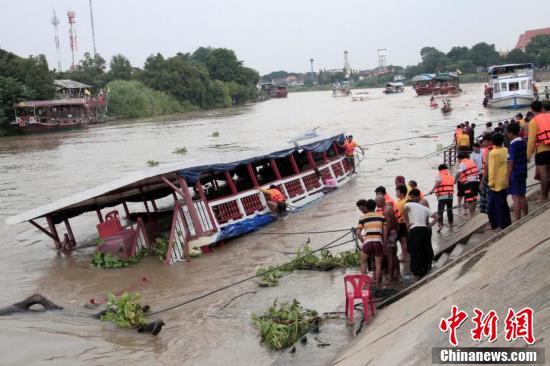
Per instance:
x=37, y=169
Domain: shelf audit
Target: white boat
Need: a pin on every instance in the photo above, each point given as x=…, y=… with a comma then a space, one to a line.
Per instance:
x=395, y=87
x=510, y=86
x=341, y=89
x=359, y=96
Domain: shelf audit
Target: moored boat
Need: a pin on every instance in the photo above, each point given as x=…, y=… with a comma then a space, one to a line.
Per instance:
x=510, y=86
x=359, y=96
x=50, y=115
x=275, y=90
x=206, y=204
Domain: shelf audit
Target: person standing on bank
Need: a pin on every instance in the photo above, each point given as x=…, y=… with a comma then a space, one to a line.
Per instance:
x=517, y=170
x=349, y=146
x=468, y=176
x=538, y=144
x=374, y=238
x=444, y=190
x=401, y=194
x=419, y=241
x=499, y=212
x=276, y=201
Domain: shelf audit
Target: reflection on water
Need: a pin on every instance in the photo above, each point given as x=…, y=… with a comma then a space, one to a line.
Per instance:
x=37, y=169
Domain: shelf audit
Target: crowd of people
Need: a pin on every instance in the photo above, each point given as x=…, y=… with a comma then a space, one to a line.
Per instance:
x=490, y=167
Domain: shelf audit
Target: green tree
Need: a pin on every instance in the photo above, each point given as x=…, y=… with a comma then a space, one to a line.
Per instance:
x=223, y=65
x=120, y=68
x=433, y=60
x=11, y=92
x=458, y=53
x=483, y=54
x=538, y=50
x=90, y=70
x=516, y=56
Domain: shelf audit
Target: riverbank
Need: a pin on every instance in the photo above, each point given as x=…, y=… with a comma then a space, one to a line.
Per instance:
x=508, y=270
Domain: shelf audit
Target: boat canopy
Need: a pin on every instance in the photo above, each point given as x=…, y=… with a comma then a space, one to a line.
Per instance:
x=150, y=184
x=50, y=103
x=423, y=77
x=395, y=84
x=445, y=76
x=508, y=68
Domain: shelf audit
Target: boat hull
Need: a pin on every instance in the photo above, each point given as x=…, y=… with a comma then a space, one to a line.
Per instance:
x=49, y=127
x=511, y=102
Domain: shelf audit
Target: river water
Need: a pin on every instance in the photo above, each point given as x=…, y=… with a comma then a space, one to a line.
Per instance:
x=37, y=169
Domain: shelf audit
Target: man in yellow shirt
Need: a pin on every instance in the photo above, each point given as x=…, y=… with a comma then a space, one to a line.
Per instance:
x=499, y=212
x=539, y=146
x=402, y=232
x=463, y=142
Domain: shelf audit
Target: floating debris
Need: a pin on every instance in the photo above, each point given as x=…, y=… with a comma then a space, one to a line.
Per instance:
x=215, y=134
x=152, y=163
x=180, y=150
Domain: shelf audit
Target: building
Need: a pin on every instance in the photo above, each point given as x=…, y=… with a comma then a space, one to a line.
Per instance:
x=526, y=37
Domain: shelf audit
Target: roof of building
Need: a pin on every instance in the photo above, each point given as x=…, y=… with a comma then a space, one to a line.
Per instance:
x=50, y=103
x=525, y=38
x=70, y=84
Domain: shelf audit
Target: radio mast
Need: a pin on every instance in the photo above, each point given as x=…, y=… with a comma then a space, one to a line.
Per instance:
x=92, y=20
x=55, y=22
x=72, y=36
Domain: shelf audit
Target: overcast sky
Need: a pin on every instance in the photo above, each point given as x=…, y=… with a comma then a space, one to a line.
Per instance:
x=270, y=35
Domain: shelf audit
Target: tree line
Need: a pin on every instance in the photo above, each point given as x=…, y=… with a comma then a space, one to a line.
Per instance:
x=465, y=59
x=206, y=78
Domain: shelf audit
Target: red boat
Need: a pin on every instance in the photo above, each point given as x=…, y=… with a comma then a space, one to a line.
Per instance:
x=275, y=90
x=432, y=84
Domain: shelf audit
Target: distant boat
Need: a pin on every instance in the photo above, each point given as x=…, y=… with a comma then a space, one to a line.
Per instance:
x=275, y=90
x=341, y=89
x=395, y=87
x=359, y=96
x=510, y=86
x=432, y=84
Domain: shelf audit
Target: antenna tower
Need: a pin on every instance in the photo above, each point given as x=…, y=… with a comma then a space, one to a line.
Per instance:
x=55, y=22
x=92, y=19
x=72, y=36
x=347, y=67
x=382, y=59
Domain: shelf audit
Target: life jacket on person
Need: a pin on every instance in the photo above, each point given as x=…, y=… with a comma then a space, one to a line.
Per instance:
x=471, y=169
x=446, y=187
x=349, y=147
x=276, y=195
x=542, y=121
x=390, y=201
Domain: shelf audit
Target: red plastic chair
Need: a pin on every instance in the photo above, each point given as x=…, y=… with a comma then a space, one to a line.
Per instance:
x=358, y=287
x=110, y=226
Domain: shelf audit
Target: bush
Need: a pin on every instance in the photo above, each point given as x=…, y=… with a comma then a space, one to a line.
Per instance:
x=132, y=99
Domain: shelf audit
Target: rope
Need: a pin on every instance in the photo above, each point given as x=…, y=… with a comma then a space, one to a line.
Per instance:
x=304, y=232
x=406, y=138
x=196, y=298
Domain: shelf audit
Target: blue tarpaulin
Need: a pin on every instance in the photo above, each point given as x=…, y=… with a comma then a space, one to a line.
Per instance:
x=191, y=175
x=245, y=226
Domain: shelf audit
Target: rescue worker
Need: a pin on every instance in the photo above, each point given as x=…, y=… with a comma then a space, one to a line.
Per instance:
x=349, y=146
x=381, y=191
x=538, y=144
x=402, y=232
x=412, y=185
x=444, y=191
x=386, y=209
x=468, y=175
x=276, y=202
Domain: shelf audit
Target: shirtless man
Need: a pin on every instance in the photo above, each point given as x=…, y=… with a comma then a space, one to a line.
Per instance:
x=390, y=249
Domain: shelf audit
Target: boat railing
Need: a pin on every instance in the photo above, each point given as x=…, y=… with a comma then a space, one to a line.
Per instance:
x=178, y=244
x=141, y=239
x=295, y=187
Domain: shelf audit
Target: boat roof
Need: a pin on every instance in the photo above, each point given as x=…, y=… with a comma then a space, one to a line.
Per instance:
x=148, y=183
x=510, y=66
x=70, y=84
x=423, y=77
x=50, y=103
x=395, y=84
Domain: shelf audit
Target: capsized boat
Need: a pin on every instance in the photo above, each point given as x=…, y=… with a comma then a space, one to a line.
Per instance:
x=510, y=86
x=341, y=89
x=208, y=203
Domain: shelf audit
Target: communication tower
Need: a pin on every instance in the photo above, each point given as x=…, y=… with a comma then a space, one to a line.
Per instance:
x=312, y=74
x=382, y=59
x=347, y=67
x=55, y=22
x=92, y=20
x=72, y=36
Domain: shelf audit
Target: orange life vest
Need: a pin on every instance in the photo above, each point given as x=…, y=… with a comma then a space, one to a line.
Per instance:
x=471, y=169
x=542, y=121
x=446, y=187
x=398, y=209
x=276, y=195
x=390, y=201
x=349, y=147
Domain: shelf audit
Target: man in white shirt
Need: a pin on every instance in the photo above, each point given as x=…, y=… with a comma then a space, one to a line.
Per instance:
x=476, y=157
x=419, y=240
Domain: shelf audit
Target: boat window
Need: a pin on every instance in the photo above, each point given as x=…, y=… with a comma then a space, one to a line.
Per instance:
x=524, y=84
x=264, y=172
x=497, y=88
x=318, y=158
x=504, y=87
x=513, y=86
x=242, y=179
x=285, y=166
x=530, y=85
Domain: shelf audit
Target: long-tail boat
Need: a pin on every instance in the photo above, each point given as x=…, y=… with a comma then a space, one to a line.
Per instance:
x=207, y=204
